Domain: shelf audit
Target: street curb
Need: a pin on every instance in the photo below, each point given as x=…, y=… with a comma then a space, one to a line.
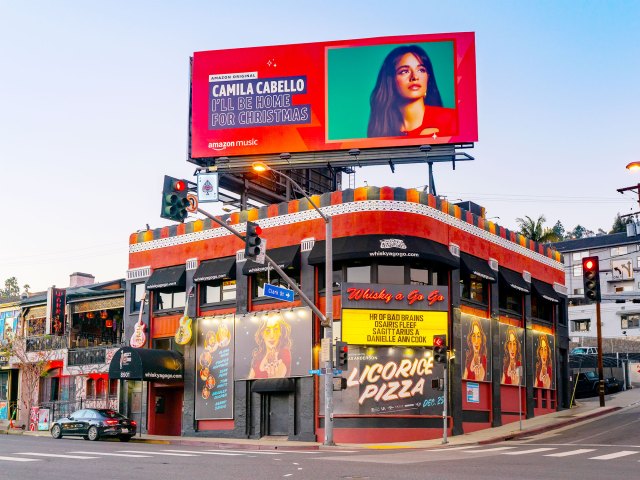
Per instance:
x=225, y=445
x=546, y=428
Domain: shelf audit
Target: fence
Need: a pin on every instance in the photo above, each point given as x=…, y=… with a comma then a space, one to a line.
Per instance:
x=61, y=409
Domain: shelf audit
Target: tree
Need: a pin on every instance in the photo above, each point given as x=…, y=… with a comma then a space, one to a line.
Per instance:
x=580, y=232
x=620, y=224
x=535, y=230
x=12, y=289
x=558, y=229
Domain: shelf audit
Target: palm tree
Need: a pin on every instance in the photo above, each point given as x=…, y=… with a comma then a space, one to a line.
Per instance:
x=535, y=230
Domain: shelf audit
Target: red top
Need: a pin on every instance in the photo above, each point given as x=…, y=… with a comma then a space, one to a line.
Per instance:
x=444, y=119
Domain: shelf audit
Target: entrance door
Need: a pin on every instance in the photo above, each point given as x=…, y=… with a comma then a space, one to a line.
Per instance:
x=278, y=420
x=165, y=410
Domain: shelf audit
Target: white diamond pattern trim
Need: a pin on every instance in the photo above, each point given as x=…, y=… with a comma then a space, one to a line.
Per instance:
x=352, y=207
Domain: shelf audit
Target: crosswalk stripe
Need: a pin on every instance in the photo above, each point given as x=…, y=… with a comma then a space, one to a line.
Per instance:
x=160, y=453
x=449, y=449
x=200, y=452
x=485, y=450
x=533, y=450
x=622, y=453
x=132, y=455
x=246, y=452
x=56, y=455
x=579, y=451
x=14, y=459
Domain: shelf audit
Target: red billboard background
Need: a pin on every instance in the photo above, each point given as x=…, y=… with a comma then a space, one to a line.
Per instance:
x=269, y=100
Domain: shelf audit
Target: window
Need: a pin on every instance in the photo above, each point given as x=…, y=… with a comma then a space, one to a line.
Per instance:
x=167, y=343
x=582, y=325
x=91, y=388
x=577, y=270
x=578, y=291
x=167, y=300
x=359, y=274
x=510, y=300
x=4, y=380
x=393, y=274
x=219, y=291
x=137, y=292
x=630, y=321
x=113, y=388
x=624, y=288
x=474, y=288
x=271, y=277
x=577, y=256
x=541, y=308
x=418, y=276
x=616, y=251
x=100, y=388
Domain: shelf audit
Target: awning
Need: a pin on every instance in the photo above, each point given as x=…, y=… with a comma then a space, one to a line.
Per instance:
x=167, y=278
x=380, y=247
x=130, y=363
x=284, y=257
x=217, y=269
x=546, y=291
x=514, y=280
x=268, y=385
x=478, y=267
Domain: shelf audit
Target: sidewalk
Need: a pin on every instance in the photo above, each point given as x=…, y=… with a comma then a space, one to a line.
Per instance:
x=586, y=409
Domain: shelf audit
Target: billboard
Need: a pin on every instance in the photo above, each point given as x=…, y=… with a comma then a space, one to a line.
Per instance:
x=476, y=345
x=363, y=93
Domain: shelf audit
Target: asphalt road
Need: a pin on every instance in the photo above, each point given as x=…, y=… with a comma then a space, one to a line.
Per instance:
x=606, y=447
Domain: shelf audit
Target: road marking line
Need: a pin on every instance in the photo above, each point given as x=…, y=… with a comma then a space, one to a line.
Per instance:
x=247, y=452
x=449, y=449
x=13, y=459
x=610, y=456
x=580, y=451
x=525, y=452
x=199, y=452
x=114, y=454
x=160, y=453
x=496, y=449
x=57, y=455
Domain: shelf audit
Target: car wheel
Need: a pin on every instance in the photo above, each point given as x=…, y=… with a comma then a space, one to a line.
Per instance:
x=125, y=438
x=92, y=434
x=56, y=432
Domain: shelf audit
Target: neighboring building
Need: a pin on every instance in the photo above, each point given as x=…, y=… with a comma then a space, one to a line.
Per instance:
x=619, y=264
x=76, y=330
x=407, y=266
x=9, y=314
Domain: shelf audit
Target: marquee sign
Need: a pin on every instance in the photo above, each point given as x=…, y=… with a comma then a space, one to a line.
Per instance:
x=395, y=297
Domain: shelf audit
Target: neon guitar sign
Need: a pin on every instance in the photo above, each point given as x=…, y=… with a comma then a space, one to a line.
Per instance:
x=139, y=338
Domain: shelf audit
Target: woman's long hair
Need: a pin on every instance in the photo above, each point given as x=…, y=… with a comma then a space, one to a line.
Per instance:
x=539, y=365
x=385, y=119
x=284, y=343
x=483, y=348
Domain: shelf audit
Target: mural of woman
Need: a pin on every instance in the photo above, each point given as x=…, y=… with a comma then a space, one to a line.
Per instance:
x=272, y=356
x=476, y=358
x=512, y=363
x=544, y=370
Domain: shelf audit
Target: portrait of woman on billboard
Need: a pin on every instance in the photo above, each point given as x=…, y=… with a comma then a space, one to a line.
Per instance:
x=476, y=352
x=406, y=100
x=272, y=355
x=544, y=364
x=512, y=358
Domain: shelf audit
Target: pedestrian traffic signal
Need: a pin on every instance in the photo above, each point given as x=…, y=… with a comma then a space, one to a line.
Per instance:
x=440, y=348
x=174, y=199
x=342, y=352
x=591, y=278
x=252, y=241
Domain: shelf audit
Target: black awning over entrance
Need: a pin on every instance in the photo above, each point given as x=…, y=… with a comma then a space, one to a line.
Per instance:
x=546, y=291
x=284, y=257
x=217, y=269
x=478, y=267
x=130, y=363
x=514, y=280
x=384, y=247
x=273, y=385
x=167, y=278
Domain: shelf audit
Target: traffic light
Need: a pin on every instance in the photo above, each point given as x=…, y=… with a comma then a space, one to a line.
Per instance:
x=252, y=241
x=174, y=199
x=440, y=348
x=591, y=278
x=342, y=352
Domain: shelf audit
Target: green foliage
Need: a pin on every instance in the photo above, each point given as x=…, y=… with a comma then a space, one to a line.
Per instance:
x=536, y=231
x=620, y=224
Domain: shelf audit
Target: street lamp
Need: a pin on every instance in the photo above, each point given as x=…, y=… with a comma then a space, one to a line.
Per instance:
x=327, y=321
x=633, y=166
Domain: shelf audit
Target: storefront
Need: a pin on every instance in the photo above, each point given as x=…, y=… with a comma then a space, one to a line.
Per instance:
x=407, y=266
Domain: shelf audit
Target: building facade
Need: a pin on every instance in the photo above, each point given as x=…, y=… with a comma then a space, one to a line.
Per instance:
x=406, y=266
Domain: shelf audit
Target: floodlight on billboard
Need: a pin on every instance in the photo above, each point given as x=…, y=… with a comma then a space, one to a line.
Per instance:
x=340, y=95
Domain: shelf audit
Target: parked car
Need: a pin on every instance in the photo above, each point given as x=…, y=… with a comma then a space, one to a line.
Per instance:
x=587, y=384
x=93, y=424
x=585, y=351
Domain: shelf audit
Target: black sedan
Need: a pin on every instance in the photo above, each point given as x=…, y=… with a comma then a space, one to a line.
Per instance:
x=92, y=424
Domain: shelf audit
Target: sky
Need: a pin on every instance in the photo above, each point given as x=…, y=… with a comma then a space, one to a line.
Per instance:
x=94, y=112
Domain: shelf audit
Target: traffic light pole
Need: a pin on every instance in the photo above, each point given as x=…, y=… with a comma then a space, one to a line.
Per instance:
x=600, y=367
x=446, y=401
